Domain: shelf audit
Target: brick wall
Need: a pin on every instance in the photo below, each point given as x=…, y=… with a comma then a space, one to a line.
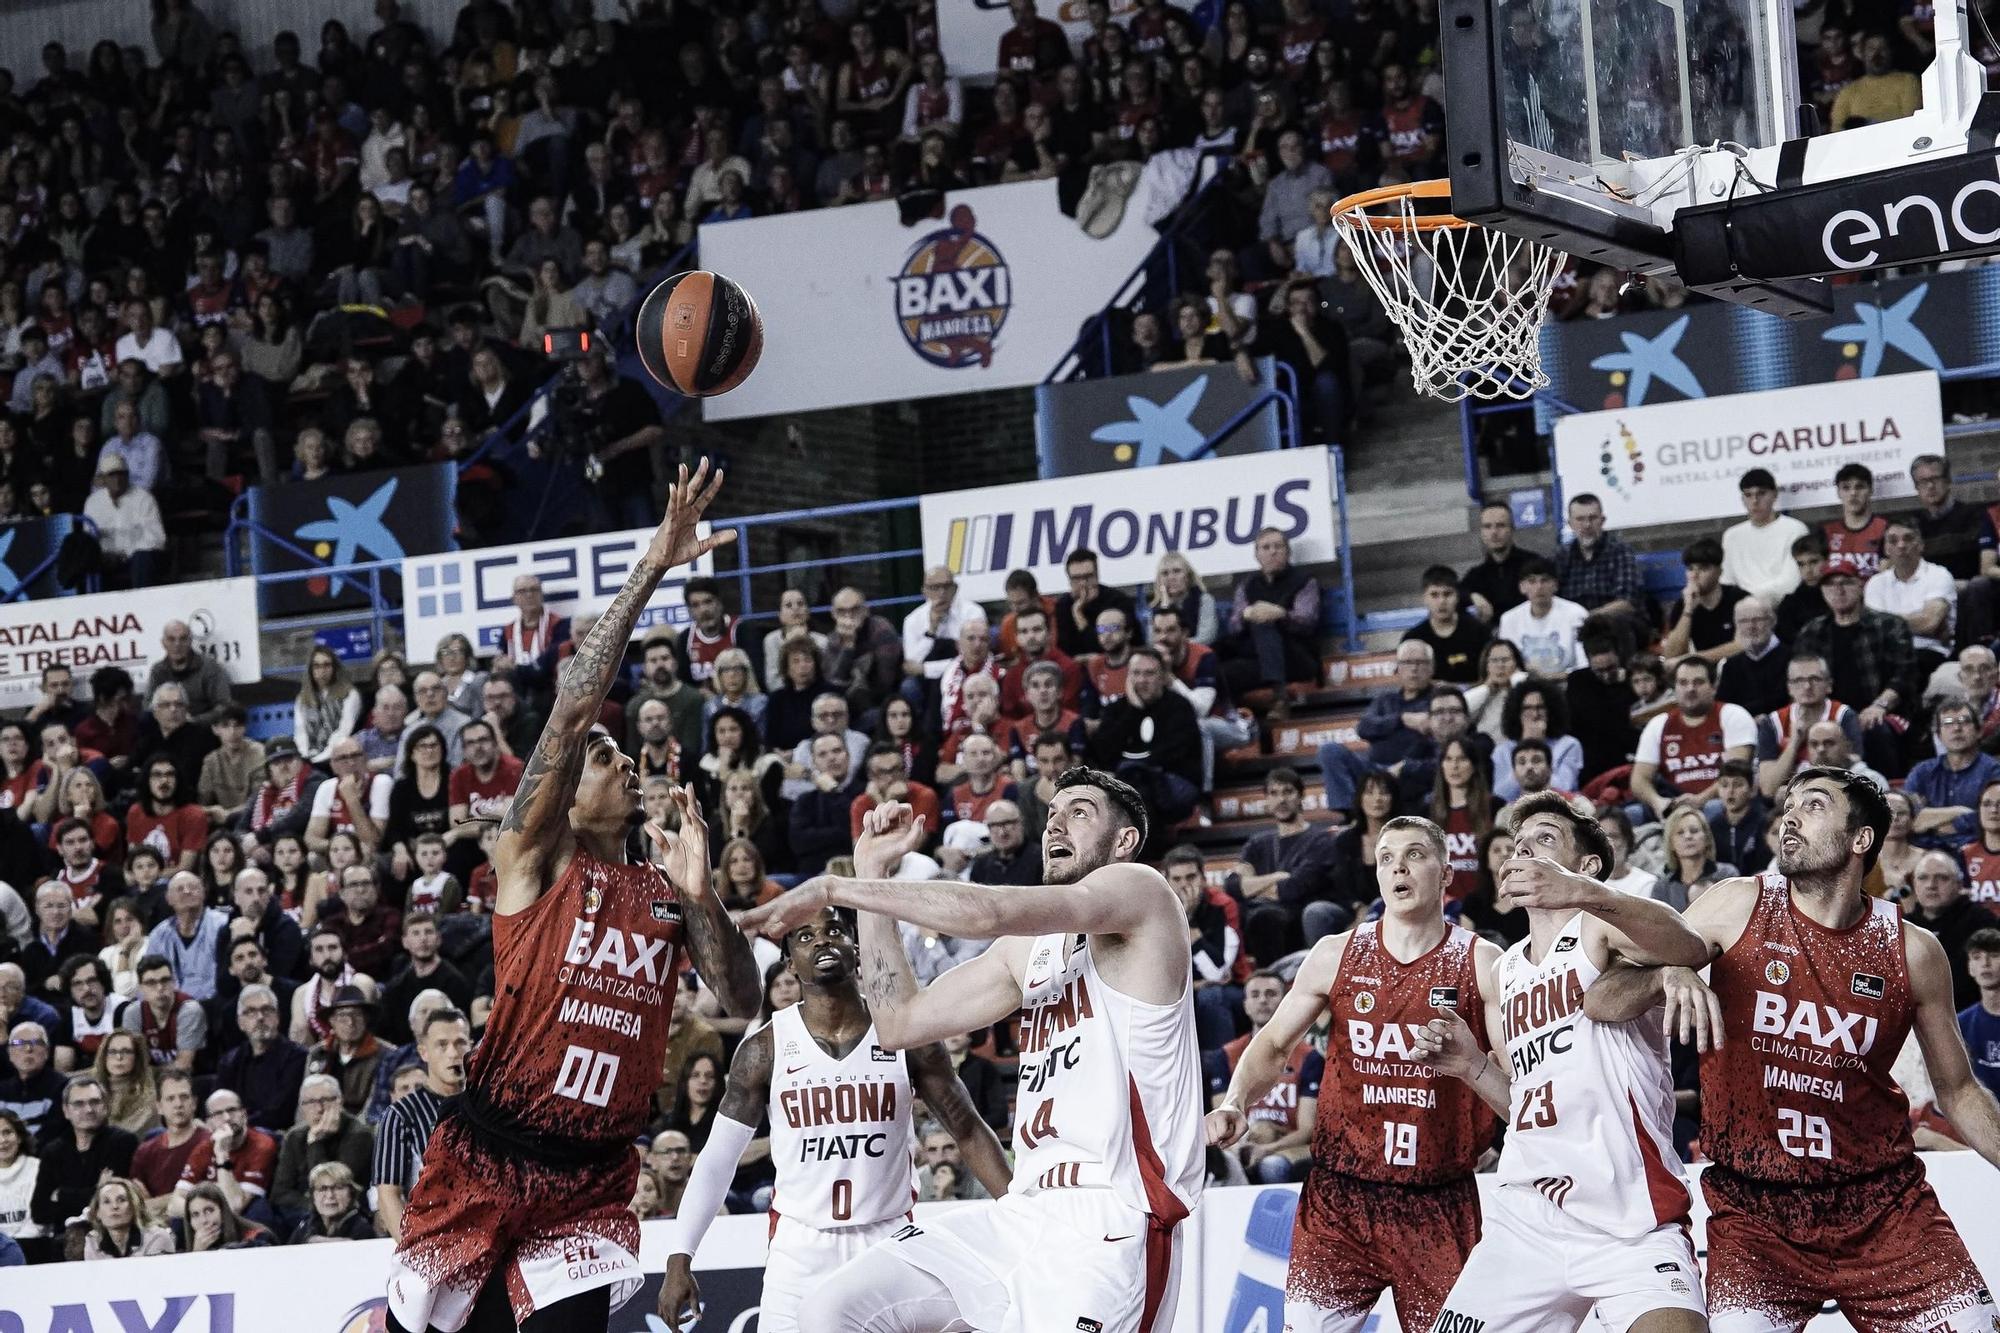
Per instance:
x=850, y=454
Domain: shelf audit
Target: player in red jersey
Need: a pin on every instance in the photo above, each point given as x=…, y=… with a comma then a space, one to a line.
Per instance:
x=1389, y=1201
x=1815, y=1191
x=520, y=1215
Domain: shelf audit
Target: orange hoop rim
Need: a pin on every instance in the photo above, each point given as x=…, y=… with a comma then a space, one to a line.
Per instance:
x=1354, y=208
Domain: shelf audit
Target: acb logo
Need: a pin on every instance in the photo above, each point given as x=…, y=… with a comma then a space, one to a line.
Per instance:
x=953, y=295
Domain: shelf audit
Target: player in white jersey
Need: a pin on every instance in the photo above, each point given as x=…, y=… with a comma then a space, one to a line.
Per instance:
x=841, y=1137
x=1108, y=1123
x=1592, y=1209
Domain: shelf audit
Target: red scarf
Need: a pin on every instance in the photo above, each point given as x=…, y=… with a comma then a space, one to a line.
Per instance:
x=274, y=804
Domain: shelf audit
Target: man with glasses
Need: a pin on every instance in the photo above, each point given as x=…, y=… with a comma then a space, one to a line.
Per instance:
x=1396, y=726
x=1104, y=669
x=163, y=816
x=169, y=729
x=1015, y=858
x=672, y=1155
x=1754, y=674
x=864, y=655
x=1950, y=782
x=239, y=1159
x=266, y=1069
x=76, y=1159
x=324, y=1132
x=433, y=710
x=829, y=718
x=1078, y=610
x=1782, y=738
x=370, y=928
x=931, y=629
x=886, y=776
x=1958, y=536
x=1979, y=680
x=355, y=801
x=1757, y=553
x=33, y=1086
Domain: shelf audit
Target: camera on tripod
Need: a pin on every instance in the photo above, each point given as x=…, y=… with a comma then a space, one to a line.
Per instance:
x=575, y=429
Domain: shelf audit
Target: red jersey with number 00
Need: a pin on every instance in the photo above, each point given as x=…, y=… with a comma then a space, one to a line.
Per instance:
x=1800, y=1092
x=1382, y=1115
x=583, y=992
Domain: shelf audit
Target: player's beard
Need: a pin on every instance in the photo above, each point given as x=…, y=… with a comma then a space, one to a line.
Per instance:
x=1081, y=861
x=1812, y=857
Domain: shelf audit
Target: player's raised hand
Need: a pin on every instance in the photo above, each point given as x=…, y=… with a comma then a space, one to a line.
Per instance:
x=684, y=853
x=1536, y=881
x=786, y=912
x=680, y=1294
x=675, y=542
x=889, y=832
x=1226, y=1126
x=1447, y=1045
x=1693, y=1012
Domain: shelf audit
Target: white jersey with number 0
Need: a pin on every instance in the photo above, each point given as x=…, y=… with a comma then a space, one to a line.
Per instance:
x=1110, y=1087
x=1591, y=1123
x=840, y=1129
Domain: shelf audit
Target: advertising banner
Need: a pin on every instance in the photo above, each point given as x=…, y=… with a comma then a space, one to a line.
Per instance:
x=1677, y=461
x=471, y=592
x=987, y=294
x=1939, y=322
x=1234, y=1251
x=969, y=31
x=122, y=629
x=1209, y=511
x=341, y=520
x=1163, y=416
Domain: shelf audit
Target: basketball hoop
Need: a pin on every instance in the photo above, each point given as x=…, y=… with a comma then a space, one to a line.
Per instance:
x=1469, y=300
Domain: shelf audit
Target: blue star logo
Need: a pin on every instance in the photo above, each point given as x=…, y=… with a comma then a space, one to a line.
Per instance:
x=1647, y=359
x=10, y=582
x=356, y=528
x=1878, y=329
x=1158, y=428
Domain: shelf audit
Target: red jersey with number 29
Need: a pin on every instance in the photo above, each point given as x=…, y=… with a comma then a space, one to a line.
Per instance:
x=584, y=985
x=1800, y=1092
x=1384, y=1116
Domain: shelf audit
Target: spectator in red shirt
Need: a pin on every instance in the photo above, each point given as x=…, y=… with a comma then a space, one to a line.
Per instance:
x=1046, y=713
x=112, y=727
x=173, y=1022
x=165, y=818
x=237, y=1158
x=710, y=631
x=982, y=784
x=888, y=779
x=164, y=1156
x=1033, y=637
x=479, y=793
x=1034, y=47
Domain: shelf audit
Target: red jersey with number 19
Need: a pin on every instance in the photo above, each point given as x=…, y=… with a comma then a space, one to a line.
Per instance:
x=584, y=985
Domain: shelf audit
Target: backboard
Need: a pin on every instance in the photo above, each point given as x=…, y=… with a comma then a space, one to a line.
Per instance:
x=1665, y=136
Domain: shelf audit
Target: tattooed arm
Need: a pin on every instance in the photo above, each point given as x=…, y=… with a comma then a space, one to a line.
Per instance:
x=535, y=838
x=937, y=1082
x=978, y=992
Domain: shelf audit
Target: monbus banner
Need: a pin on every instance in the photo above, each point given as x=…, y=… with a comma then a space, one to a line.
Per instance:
x=1677, y=461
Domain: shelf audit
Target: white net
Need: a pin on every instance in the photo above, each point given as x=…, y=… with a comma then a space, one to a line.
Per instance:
x=1469, y=300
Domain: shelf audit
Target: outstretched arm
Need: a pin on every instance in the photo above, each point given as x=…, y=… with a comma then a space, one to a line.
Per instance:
x=1446, y=1042
x=1639, y=930
x=978, y=992
x=938, y=1084
x=1263, y=1059
x=1965, y=1101
x=535, y=836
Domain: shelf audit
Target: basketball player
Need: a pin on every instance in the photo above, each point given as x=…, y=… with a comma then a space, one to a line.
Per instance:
x=841, y=1137
x=1592, y=1209
x=1815, y=1192
x=1107, y=1126
x=520, y=1212
x=1389, y=1201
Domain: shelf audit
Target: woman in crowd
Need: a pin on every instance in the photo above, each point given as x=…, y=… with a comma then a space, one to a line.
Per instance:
x=388, y=668
x=327, y=706
x=22, y=774
x=1176, y=584
x=462, y=678
x=1484, y=910
x=221, y=859
x=1650, y=687
x=744, y=814
x=1691, y=865
x=732, y=747
x=291, y=873
x=550, y=307
x=781, y=991
x=741, y=882
x=1499, y=669
x=116, y=1219
x=695, y=1103
x=211, y=1224
x=1898, y=860
x=19, y=1169
x=1354, y=846
x=1464, y=807
x=903, y=727
x=125, y=927
x=313, y=457
x=1536, y=710
x=357, y=256
x=736, y=687
x=788, y=715
x=1624, y=876
x=419, y=803
x=79, y=795
x=336, y=1207
x=124, y=1066
x=268, y=342
x=794, y=622
x=343, y=849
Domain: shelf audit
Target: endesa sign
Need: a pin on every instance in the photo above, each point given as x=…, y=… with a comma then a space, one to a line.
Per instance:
x=1210, y=511
x=122, y=629
x=1675, y=461
x=472, y=592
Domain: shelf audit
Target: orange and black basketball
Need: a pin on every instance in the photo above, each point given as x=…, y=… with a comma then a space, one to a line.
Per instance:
x=699, y=334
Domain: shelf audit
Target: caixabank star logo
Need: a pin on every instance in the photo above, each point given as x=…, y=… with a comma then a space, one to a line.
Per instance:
x=953, y=294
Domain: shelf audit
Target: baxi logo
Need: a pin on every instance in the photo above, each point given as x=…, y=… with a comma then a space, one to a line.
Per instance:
x=953, y=295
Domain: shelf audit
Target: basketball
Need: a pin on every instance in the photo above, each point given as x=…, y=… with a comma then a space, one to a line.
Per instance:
x=699, y=334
